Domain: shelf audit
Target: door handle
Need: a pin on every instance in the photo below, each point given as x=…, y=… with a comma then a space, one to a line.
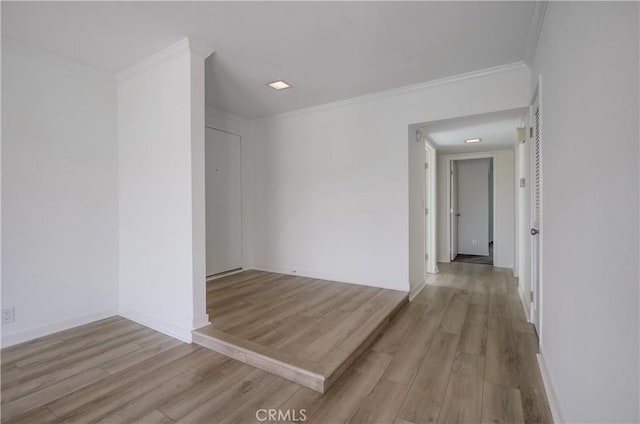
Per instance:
x=534, y=232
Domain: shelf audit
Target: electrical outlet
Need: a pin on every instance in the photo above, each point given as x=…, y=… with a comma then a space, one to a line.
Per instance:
x=8, y=315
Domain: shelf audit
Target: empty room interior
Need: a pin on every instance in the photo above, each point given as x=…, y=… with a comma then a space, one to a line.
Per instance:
x=323, y=212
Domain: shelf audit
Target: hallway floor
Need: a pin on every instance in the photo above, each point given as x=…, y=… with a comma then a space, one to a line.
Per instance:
x=460, y=352
x=476, y=259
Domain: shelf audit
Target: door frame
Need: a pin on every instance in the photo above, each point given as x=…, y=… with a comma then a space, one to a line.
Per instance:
x=536, y=285
x=422, y=228
x=447, y=159
x=242, y=207
x=453, y=187
x=430, y=202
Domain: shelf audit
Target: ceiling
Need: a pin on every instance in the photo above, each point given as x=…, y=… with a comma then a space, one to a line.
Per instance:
x=327, y=50
x=497, y=131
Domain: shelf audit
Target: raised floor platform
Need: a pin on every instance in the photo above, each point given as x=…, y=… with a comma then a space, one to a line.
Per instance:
x=306, y=330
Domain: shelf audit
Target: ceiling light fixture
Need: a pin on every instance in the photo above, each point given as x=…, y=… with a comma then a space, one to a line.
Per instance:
x=473, y=140
x=278, y=85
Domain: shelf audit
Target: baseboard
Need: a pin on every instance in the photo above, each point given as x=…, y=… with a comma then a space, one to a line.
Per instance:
x=203, y=321
x=417, y=291
x=331, y=277
x=225, y=274
x=182, y=334
x=54, y=327
x=525, y=305
x=554, y=405
x=444, y=260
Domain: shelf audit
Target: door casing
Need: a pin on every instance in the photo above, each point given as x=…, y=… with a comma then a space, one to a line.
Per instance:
x=448, y=159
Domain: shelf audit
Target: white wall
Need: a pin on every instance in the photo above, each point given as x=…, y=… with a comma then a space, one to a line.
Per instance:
x=504, y=210
x=59, y=194
x=331, y=183
x=588, y=58
x=473, y=206
x=161, y=191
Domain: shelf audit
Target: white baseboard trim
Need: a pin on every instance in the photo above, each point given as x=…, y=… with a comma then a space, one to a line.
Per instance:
x=13, y=338
x=525, y=305
x=226, y=274
x=414, y=293
x=203, y=321
x=444, y=260
x=331, y=277
x=182, y=334
x=556, y=410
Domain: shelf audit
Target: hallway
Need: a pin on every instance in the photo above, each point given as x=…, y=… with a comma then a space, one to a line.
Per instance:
x=460, y=352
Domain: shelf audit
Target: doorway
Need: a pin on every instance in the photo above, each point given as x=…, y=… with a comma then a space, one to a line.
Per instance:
x=422, y=209
x=223, y=189
x=471, y=197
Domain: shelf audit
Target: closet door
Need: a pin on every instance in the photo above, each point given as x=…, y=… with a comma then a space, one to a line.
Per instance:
x=223, y=187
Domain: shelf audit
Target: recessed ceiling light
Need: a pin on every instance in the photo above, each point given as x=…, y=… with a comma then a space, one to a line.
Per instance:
x=473, y=140
x=278, y=85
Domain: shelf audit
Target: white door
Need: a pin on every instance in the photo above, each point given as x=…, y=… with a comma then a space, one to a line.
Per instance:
x=223, y=187
x=473, y=206
x=454, y=210
x=536, y=212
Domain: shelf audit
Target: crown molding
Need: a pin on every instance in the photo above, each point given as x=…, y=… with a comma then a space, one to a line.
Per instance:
x=398, y=91
x=535, y=28
x=185, y=45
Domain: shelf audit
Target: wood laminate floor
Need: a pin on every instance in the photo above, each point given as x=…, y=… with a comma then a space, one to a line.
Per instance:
x=304, y=329
x=476, y=259
x=461, y=352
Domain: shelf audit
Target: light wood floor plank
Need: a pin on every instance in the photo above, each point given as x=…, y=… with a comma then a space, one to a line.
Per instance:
x=427, y=365
x=123, y=362
x=269, y=397
x=45, y=380
x=154, y=417
x=62, y=361
x=407, y=360
x=382, y=404
x=337, y=405
x=40, y=415
x=463, y=399
x=473, y=338
x=209, y=387
x=399, y=329
x=39, y=398
x=501, y=404
x=431, y=380
x=151, y=399
x=456, y=311
x=228, y=401
x=502, y=362
x=103, y=399
x=535, y=405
